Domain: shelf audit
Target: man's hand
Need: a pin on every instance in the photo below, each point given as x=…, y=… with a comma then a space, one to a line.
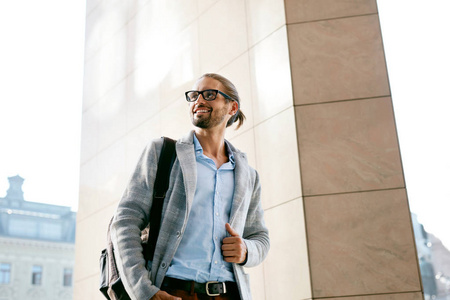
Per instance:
x=161, y=295
x=233, y=248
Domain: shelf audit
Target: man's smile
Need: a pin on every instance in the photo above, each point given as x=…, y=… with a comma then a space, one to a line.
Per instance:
x=201, y=110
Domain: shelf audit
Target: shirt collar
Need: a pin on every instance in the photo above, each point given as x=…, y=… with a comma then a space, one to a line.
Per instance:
x=199, y=150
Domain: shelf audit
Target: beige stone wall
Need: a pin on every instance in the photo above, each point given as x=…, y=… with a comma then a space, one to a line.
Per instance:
x=359, y=232
x=314, y=87
x=23, y=254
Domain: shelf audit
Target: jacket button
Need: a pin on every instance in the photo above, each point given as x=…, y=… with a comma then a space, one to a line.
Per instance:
x=178, y=234
x=163, y=265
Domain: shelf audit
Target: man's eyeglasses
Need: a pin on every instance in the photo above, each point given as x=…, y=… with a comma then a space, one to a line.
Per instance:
x=208, y=95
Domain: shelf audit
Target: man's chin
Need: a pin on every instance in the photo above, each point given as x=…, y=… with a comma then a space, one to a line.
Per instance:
x=200, y=123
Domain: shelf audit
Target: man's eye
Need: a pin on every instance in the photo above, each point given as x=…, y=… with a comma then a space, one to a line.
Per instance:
x=209, y=94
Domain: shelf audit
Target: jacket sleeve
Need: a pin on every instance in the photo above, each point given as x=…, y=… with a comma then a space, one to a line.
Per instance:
x=131, y=217
x=256, y=234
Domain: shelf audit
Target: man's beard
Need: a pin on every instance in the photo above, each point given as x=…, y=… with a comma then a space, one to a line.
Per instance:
x=210, y=121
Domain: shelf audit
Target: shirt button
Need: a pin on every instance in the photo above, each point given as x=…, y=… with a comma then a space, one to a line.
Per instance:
x=163, y=265
x=178, y=234
x=215, y=262
x=217, y=213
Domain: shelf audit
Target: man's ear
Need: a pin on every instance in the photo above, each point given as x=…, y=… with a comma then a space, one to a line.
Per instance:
x=234, y=108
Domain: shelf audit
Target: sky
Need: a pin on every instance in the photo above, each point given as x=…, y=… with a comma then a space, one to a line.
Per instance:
x=41, y=73
x=417, y=47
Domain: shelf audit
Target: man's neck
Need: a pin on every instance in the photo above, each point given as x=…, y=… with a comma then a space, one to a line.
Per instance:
x=213, y=144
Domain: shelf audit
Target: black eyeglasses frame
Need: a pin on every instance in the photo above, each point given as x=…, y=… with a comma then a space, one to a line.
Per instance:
x=201, y=93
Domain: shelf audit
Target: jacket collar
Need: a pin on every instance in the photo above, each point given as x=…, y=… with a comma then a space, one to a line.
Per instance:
x=186, y=157
x=188, y=138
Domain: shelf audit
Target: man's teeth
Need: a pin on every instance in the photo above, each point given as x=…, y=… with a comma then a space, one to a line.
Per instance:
x=202, y=110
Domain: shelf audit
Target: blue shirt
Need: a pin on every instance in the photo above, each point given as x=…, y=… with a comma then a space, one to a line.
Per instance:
x=199, y=255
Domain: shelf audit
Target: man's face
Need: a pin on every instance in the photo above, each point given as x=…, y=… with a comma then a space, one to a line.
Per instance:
x=209, y=114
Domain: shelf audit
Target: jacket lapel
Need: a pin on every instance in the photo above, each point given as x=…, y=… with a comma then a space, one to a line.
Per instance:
x=188, y=164
x=240, y=182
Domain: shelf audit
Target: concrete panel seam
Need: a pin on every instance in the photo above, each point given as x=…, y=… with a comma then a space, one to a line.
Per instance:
x=267, y=36
x=265, y=120
x=283, y=203
x=107, y=91
x=96, y=212
x=365, y=295
x=356, y=192
x=97, y=274
x=331, y=19
x=342, y=100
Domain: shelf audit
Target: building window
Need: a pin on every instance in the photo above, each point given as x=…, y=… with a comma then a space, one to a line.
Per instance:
x=36, y=277
x=5, y=273
x=50, y=231
x=67, y=280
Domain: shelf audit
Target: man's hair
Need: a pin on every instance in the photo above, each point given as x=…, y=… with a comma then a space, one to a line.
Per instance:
x=231, y=91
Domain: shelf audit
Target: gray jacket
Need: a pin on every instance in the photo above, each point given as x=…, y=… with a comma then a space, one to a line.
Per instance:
x=133, y=212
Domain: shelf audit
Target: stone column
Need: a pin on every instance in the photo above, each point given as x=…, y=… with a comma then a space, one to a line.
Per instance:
x=358, y=228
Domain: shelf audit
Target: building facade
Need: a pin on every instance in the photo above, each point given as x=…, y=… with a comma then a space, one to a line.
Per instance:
x=434, y=262
x=37, y=248
x=320, y=131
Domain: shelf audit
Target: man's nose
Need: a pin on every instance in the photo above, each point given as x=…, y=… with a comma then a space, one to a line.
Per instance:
x=200, y=98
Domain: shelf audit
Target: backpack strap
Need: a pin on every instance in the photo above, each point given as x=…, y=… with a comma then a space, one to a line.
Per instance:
x=111, y=284
x=165, y=163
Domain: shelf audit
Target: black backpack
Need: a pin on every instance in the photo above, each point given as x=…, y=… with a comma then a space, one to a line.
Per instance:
x=111, y=284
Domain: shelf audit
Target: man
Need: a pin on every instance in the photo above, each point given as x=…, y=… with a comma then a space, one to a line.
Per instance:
x=212, y=224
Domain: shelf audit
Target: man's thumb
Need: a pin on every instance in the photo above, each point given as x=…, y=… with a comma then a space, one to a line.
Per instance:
x=230, y=230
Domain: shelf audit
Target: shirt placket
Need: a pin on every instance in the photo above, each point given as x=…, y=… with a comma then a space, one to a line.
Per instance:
x=217, y=261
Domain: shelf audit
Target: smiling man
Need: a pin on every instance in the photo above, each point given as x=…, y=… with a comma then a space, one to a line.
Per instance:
x=212, y=224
